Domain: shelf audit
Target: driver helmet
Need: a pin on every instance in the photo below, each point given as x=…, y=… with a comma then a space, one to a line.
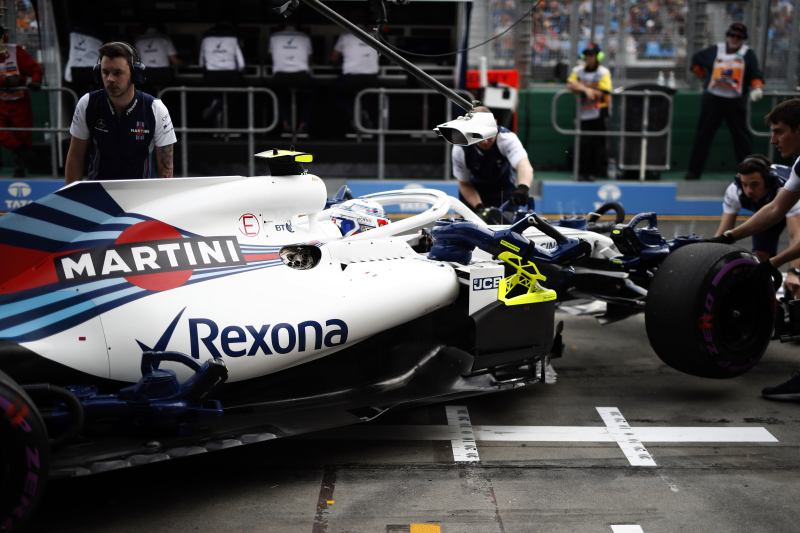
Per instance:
x=357, y=215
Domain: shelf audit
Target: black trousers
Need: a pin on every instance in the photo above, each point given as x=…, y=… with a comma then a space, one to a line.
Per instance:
x=348, y=85
x=302, y=84
x=594, y=157
x=714, y=110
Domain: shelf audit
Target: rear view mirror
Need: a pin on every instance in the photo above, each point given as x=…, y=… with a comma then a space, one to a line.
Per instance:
x=469, y=129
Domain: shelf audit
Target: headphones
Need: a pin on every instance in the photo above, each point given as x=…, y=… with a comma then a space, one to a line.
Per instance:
x=591, y=47
x=135, y=64
x=762, y=165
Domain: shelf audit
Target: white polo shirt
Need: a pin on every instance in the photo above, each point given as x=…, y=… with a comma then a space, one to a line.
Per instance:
x=155, y=50
x=221, y=52
x=731, y=205
x=793, y=183
x=82, y=52
x=357, y=57
x=290, y=50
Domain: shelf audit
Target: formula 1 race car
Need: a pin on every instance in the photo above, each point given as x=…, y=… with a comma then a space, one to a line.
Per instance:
x=142, y=320
x=148, y=319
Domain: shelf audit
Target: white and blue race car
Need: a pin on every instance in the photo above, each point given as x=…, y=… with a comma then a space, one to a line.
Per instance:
x=147, y=319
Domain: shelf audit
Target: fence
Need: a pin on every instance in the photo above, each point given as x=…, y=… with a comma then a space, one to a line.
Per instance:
x=50, y=129
x=383, y=121
x=644, y=134
x=250, y=130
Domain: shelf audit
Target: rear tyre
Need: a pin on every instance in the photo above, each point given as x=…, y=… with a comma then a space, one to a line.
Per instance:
x=24, y=455
x=707, y=314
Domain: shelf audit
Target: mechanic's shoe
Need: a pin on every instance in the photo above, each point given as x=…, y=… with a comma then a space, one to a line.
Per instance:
x=788, y=391
x=585, y=177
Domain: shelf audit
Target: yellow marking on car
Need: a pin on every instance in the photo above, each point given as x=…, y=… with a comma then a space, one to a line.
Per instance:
x=527, y=276
x=509, y=245
x=298, y=157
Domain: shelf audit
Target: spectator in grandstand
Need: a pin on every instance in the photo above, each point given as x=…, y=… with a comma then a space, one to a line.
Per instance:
x=18, y=73
x=756, y=184
x=730, y=71
x=158, y=55
x=359, y=71
x=784, y=123
x=592, y=82
x=492, y=171
x=291, y=76
x=125, y=133
x=223, y=64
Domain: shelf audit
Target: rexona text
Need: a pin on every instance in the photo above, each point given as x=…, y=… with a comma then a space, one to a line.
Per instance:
x=264, y=339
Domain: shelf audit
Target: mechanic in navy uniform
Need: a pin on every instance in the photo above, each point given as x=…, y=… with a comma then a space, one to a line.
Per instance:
x=784, y=121
x=158, y=55
x=290, y=50
x=123, y=125
x=83, y=45
x=492, y=171
x=360, y=67
x=729, y=72
x=223, y=66
x=755, y=185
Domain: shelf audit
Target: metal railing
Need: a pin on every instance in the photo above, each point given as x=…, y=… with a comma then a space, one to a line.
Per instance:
x=50, y=129
x=250, y=130
x=383, y=121
x=774, y=97
x=642, y=133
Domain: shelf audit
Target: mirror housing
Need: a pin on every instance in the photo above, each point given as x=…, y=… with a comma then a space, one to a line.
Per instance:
x=469, y=129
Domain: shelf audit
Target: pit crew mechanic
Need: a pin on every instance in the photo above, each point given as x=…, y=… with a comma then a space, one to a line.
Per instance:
x=487, y=170
x=123, y=124
x=754, y=186
x=784, y=123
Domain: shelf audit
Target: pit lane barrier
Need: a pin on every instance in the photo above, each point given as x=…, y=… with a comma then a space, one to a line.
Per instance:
x=555, y=197
x=570, y=198
x=383, y=129
x=250, y=130
x=643, y=134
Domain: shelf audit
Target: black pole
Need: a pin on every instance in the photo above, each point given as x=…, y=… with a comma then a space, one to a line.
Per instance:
x=410, y=67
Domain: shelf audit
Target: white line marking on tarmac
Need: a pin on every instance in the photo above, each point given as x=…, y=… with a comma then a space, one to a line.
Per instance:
x=464, y=448
x=627, y=528
x=627, y=440
x=649, y=434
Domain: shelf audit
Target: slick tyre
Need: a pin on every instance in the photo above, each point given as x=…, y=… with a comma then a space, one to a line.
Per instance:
x=24, y=455
x=707, y=314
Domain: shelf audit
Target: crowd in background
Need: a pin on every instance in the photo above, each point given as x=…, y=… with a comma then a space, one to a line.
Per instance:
x=654, y=29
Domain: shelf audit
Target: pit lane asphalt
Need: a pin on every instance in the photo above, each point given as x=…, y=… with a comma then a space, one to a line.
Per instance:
x=341, y=481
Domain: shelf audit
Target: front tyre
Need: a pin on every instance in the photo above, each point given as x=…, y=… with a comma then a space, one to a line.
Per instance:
x=707, y=314
x=24, y=455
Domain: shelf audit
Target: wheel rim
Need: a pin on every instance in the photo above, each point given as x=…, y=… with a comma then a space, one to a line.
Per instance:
x=740, y=302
